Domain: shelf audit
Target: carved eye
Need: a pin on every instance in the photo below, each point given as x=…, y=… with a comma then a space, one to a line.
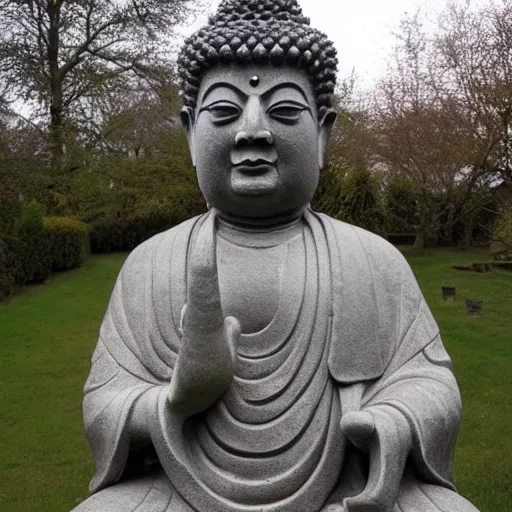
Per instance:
x=224, y=112
x=286, y=112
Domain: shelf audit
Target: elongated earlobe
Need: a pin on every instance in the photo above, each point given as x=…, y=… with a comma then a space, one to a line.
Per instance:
x=187, y=120
x=324, y=132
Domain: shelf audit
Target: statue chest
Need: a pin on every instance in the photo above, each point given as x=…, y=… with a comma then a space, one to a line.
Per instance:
x=251, y=282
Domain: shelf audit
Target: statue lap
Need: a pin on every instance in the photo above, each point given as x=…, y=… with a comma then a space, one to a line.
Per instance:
x=155, y=493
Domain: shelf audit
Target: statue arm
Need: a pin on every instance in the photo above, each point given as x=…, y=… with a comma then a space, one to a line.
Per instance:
x=115, y=409
x=412, y=413
x=206, y=360
x=131, y=365
x=424, y=392
x=142, y=371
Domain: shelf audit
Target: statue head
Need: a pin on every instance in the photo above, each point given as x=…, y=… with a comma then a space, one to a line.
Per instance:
x=257, y=84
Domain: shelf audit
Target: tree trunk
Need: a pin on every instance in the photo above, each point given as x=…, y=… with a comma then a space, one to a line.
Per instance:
x=419, y=241
x=506, y=141
x=421, y=236
x=449, y=225
x=469, y=227
x=55, y=139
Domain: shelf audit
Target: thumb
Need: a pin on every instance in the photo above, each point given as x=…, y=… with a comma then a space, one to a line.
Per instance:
x=359, y=427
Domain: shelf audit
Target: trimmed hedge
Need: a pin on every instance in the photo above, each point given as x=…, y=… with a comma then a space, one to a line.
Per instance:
x=126, y=231
x=34, y=246
x=11, y=271
x=401, y=238
x=69, y=242
x=42, y=245
x=117, y=234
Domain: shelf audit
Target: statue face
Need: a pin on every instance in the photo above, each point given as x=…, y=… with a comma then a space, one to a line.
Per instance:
x=256, y=140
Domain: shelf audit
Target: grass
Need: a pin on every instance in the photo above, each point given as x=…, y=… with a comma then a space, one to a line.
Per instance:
x=47, y=335
x=48, y=332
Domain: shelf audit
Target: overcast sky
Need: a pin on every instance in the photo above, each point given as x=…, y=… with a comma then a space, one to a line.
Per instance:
x=361, y=29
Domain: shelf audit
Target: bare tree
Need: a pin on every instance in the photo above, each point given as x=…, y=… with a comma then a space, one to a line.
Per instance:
x=475, y=53
x=423, y=133
x=60, y=53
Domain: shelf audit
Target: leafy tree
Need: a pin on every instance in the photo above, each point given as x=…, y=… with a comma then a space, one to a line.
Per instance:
x=62, y=54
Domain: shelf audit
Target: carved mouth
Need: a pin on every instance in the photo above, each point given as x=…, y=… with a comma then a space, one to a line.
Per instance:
x=254, y=168
x=254, y=156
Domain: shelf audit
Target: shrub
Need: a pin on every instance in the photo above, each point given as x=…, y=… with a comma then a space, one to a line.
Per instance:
x=401, y=198
x=11, y=271
x=68, y=240
x=328, y=197
x=123, y=232
x=10, y=211
x=501, y=248
x=401, y=238
x=107, y=235
x=362, y=204
x=34, y=246
x=351, y=195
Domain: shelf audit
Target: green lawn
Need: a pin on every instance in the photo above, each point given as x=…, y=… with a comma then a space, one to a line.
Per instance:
x=47, y=335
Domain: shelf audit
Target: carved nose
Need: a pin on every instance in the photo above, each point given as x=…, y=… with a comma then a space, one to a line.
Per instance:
x=259, y=138
x=254, y=129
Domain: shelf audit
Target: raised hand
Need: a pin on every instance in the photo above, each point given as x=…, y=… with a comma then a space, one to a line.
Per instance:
x=385, y=434
x=206, y=361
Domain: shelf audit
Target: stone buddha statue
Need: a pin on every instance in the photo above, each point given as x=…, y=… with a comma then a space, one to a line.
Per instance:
x=264, y=357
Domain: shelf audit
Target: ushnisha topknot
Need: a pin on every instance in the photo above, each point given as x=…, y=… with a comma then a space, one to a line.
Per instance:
x=261, y=32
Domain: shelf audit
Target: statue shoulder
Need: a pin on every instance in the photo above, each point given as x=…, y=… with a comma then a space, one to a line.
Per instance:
x=376, y=299
x=357, y=242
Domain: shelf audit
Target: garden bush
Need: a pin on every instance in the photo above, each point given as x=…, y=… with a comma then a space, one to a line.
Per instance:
x=34, y=246
x=501, y=247
x=107, y=235
x=126, y=230
x=328, y=197
x=10, y=210
x=401, y=200
x=362, y=203
x=68, y=240
x=351, y=195
x=401, y=238
x=24, y=247
x=11, y=271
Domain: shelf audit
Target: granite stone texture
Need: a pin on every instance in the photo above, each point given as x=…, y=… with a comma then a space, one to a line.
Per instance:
x=264, y=357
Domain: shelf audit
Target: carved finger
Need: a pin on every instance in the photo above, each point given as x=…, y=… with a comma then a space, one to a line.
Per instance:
x=388, y=449
x=204, y=310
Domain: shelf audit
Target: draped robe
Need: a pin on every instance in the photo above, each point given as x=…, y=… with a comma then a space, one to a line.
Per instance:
x=355, y=334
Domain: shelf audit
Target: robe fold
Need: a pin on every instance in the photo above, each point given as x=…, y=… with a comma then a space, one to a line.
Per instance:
x=357, y=335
